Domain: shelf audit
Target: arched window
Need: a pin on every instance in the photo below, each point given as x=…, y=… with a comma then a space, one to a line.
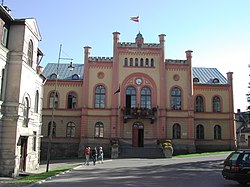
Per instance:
x=131, y=62
x=36, y=102
x=152, y=62
x=217, y=132
x=53, y=130
x=176, y=99
x=130, y=97
x=141, y=62
x=30, y=53
x=196, y=80
x=99, y=129
x=71, y=129
x=216, y=104
x=176, y=131
x=136, y=61
x=26, y=112
x=199, y=132
x=145, y=97
x=53, y=100
x=199, y=104
x=147, y=62
x=53, y=76
x=215, y=80
x=100, y=97
x=71, y=100
x=75, y=77
x=126, y=62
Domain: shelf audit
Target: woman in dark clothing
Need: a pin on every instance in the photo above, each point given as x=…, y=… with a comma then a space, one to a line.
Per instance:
x=94, y=155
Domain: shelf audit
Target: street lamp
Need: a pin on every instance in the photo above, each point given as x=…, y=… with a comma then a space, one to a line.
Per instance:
x=70, y=67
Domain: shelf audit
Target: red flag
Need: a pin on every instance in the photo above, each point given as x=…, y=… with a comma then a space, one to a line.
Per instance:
x=135, y=19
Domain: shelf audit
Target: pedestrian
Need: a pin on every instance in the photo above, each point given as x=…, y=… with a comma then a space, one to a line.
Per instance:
x=100, y=156
x=94, y=155
x=87, y=155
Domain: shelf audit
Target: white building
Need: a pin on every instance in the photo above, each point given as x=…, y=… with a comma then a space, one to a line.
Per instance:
x=21, y=86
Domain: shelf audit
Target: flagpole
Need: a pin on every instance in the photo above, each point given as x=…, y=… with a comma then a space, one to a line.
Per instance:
x=138, y=26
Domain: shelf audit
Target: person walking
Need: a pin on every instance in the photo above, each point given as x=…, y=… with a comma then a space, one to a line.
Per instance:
x=94, y=155
x=100, y=156
x=87, y=155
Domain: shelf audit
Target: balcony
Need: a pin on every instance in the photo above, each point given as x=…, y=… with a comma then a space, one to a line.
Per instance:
x=139, y=113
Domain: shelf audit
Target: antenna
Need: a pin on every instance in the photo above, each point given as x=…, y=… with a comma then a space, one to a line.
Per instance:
x=2, y=2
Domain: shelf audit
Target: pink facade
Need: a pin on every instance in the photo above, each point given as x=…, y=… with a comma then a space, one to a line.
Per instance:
x=158, y=99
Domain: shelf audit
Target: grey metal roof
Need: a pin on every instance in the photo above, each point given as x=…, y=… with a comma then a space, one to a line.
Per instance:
x=207, y=75
x=63, y=72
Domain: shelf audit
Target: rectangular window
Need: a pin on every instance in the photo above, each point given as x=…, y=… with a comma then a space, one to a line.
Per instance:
x=34, y=141
x=101, y=132
x=5, y=37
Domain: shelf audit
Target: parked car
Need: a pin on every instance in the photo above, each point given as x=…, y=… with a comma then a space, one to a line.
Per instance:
x=237, y=166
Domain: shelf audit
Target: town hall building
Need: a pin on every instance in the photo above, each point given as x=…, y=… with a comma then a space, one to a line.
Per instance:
x=138, y=97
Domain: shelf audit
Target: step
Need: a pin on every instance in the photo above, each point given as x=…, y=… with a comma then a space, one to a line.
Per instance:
x=140, y=152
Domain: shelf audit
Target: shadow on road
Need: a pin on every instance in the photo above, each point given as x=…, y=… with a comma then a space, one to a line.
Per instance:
x=195, y=174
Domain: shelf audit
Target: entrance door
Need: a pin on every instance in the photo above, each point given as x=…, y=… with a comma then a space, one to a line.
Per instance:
x=138, y=134
x=24, y=140
x=249, y=142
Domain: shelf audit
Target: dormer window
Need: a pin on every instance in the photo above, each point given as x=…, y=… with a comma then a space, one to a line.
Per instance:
x=196, y=80
x=53, y=76
x=75, y=77
x=215, y=80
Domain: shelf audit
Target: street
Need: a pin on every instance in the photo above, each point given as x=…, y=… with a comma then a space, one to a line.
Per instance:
x=204, y=171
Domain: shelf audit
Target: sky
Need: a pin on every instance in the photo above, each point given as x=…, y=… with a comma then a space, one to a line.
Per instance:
x=217, y=31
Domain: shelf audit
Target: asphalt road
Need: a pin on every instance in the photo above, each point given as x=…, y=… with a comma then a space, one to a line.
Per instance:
x=204, y=171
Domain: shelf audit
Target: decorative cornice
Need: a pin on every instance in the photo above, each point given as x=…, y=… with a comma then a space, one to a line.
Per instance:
x=139, y=51
x=101, y=59
x=77, y=83
x=101, y=65
x=209, y=87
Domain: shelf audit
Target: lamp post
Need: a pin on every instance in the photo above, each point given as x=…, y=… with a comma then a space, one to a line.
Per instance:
x=70, y=67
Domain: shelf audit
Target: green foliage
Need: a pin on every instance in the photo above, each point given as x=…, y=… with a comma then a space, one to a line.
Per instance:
x=167, y=144
x=202, y=154
x=41, y=176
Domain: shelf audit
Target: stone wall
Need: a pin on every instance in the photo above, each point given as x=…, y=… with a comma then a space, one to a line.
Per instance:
x=60, y=150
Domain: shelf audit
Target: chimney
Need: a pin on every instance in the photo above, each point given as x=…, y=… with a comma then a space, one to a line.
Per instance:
x=230, y=77
x=116, y=37
x=162, y=39
x=189, y=54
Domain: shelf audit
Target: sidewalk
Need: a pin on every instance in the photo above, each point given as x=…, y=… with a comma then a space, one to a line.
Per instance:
x=8, y=181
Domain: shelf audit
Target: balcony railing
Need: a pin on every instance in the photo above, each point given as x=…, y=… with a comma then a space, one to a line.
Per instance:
x=139, y=113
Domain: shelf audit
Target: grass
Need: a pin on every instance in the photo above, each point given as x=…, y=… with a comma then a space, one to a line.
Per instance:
x=202, y=154
x=41, y=176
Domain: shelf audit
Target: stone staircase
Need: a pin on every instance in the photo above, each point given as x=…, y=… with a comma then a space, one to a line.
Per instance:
x=140, y=152
x=149, y=150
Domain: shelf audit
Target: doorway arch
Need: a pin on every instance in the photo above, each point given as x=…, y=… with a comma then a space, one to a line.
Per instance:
x=138, y=134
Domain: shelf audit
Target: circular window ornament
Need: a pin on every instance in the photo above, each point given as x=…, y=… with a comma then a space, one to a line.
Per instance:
x=176, y=77
x=138, y=81
x=100, y=75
